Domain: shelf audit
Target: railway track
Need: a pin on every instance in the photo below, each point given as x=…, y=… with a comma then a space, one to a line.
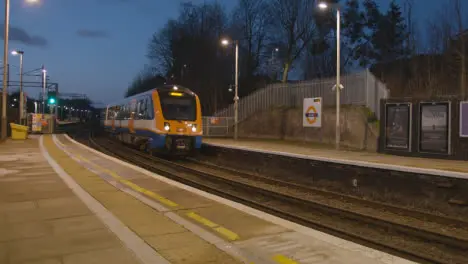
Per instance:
x=418, y=236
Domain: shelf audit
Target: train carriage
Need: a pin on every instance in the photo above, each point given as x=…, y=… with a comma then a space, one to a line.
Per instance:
x=166, y=119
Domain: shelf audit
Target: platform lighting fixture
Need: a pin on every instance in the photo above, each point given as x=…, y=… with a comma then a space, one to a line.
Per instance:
x=226, y=42
x=323, y=5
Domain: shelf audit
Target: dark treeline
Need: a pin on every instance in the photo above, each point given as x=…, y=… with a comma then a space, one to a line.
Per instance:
x=275, y=37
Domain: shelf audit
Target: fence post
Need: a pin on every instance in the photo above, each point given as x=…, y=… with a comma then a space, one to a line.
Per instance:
x=367, y=88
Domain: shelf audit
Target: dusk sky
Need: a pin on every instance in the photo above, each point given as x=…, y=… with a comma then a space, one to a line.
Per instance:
x=97, y=47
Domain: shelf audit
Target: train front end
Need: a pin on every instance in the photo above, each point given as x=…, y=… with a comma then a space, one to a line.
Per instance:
x=178, y=120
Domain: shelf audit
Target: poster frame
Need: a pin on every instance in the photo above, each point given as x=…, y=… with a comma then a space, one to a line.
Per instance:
x=410, y=125
x=460, y=118
x=449, y=127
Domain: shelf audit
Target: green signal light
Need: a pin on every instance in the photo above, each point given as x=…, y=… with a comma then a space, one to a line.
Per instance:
x=51, y=101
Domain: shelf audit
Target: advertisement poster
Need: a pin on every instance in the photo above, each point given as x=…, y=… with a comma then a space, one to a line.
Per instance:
x=312, y=113
x=397, y=127
x=464, y=119
x=434, y=127
x=36, y=123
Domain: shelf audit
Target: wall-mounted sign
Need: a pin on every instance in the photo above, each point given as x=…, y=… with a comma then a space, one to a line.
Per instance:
x=398, y=126
x=312, y=113
x=36, y=123
x=434, y=127
x=463, y=119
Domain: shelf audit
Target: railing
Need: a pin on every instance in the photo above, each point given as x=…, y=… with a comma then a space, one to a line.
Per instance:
x=215, y=126
x=359, y=89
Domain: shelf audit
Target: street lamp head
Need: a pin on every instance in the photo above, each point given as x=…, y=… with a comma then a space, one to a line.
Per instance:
x=276, y=49
x=224, y=42
x=32, y=1
x=16, y=52
x=323, y=5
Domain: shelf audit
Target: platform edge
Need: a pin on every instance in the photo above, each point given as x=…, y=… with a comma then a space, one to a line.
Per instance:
x=358, y=163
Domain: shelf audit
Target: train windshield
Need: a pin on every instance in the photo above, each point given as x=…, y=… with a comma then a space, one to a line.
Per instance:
x=179, y=108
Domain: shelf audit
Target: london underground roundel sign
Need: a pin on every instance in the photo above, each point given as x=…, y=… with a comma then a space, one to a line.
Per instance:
x=312, y=113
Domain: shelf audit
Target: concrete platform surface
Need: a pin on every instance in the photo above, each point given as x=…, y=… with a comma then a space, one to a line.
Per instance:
x=42, y=220
x=185, y=225
x=451, y=167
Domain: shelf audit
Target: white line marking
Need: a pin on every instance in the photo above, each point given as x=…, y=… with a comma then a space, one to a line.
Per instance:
x=336, y=241
x=375, y=165
x=142, y=251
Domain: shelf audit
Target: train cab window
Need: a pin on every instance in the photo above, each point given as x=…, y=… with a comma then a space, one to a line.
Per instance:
x=178, y=107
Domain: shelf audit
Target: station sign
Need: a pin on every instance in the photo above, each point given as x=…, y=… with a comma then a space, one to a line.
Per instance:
x=36, y=123
x=312, y=112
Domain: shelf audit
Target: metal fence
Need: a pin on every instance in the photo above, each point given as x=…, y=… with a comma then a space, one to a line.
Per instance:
x=216, y=126
x=359, y=89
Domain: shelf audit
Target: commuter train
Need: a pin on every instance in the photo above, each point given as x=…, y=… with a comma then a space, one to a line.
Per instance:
x=166, y=119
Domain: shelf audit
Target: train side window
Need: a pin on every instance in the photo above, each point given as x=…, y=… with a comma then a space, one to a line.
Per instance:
x=137, y=115
x=127, y=111
x=119, y=115
x=117, y=112
x=142, y=112
x=122, y=111
x=149, y=107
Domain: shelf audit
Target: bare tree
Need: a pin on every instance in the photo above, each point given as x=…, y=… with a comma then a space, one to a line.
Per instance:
x=250, y=19
x=186, y=51
x=160, y=50
x=296, y=28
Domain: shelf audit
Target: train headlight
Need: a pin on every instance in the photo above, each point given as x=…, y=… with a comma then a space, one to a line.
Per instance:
x=167, y=127
x=194, y=128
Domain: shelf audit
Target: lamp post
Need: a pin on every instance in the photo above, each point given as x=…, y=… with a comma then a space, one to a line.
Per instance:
x=5, y=65
x=274, y=72
x=323, y=6
x=226, y=42
x=44, y=85
x=5, y=69
x=21, y=104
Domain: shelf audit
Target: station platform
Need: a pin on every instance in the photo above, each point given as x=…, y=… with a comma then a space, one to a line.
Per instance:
x=62, y=202
x=439, y=167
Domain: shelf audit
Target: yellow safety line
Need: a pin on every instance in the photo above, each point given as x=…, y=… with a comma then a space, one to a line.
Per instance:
x=202, y=220
x=223, y=231
x=130, y=184
x=284, y=260
x=61, y=144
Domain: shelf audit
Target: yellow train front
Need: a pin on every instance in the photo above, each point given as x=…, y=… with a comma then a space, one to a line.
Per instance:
x=166, y=119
